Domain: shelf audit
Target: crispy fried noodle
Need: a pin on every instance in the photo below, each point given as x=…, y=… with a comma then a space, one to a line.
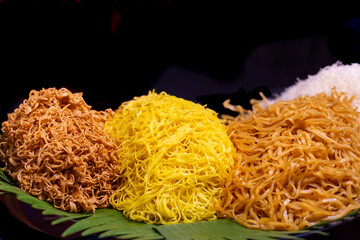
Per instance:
x=298, y=163
x=55, y=147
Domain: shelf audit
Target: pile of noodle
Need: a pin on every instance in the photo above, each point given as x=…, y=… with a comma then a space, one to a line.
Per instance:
x=174, y=154
x=298, y=163
x=55, y=148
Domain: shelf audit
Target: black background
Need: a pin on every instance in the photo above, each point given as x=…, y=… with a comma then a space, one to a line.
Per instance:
x=114, y=50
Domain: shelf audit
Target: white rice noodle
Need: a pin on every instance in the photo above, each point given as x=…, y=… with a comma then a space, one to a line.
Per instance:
x=345, y=78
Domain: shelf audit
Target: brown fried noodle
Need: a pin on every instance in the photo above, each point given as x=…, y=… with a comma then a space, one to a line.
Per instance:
x=298, y=163
x=55, y=147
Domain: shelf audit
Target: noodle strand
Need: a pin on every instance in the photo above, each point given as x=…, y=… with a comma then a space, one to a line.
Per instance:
x=55, y=148
x=298, y=163
x=174, y=155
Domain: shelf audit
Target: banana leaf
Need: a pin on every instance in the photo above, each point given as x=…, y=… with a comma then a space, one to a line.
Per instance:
x=109, y=222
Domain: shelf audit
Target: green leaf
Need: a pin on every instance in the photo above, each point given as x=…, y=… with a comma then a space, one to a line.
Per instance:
x=3, y=177
x=140, y=232
x=112, y=223
x=68, y=218
x=109, y=222
x=47, y=208
x=220, y=229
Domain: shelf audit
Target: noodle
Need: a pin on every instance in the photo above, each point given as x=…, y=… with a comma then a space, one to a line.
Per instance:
x=298, y=163
x=55, y=148
x=174, y=154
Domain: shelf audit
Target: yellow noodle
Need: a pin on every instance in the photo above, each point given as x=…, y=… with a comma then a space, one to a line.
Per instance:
x=174, y=154
x=298, y=163
x=55, y=148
